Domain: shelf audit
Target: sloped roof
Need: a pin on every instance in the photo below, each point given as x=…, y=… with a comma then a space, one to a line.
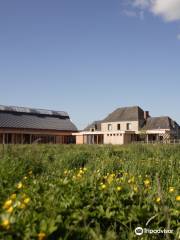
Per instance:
x=35, y=120
x=154, y=123
x=125, y=114
x=95, y=124
x=34, y=111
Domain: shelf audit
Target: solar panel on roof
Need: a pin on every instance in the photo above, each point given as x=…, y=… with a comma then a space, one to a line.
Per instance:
x=33, y=111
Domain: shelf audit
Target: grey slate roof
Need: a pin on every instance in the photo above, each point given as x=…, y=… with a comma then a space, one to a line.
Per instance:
x=95, y=124
x=32, y=120
x=154, y=123
x=125, y=114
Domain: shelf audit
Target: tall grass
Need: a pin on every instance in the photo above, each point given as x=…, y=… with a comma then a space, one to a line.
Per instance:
x=88, y=191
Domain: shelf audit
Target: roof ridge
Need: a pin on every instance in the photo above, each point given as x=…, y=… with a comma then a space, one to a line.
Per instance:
x=28, y=110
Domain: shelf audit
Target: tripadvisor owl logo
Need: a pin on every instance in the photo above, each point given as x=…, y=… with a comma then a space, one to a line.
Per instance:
x=139, y=231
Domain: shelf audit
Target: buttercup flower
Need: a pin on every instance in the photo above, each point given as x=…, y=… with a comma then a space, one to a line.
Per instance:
x=103, y=186
x=171, y=189
x=178, y=198
x=158, y=199
x=147, y=182
x=119, y=188
x=27, y=200
x=41, y=236
x=7, y=204
x=19, y=185
x=10, y=209
x=5, y=224
x=135, y=189
x=13, y=196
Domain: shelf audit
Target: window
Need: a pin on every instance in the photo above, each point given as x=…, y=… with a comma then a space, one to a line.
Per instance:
x=128, y=126
x=118, y=126
x=108, y=135
x=111, y=135
x=109, y=127
x=114, y=134
x=92, y=129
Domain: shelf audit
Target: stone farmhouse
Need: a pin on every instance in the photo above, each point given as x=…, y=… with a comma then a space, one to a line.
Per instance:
x=129, y=124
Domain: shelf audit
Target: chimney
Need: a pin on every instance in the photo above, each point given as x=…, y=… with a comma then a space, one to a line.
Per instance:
x=146, y=115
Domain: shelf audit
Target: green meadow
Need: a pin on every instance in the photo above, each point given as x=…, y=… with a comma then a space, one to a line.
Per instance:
x=89, y=192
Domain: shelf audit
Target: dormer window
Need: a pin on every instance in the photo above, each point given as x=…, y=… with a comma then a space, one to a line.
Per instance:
x=92, y=129
x=118, y=126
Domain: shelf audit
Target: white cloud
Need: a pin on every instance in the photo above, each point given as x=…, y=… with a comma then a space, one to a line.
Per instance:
x=169, y=10
x=178, y=36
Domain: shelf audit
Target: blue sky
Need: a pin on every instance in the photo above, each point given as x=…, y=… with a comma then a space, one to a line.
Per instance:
x=90, y=57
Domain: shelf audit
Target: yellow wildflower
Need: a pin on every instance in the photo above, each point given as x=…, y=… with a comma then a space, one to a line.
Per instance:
x=110, y=178
x=13, y=196
x=131, y=180
x=24, y=177
x=135, y=189
x=158, y=199
x=5, y=224
x=22, y=206
x=103, y=186
x=7, y=204
x=178, y=198
x=119, y=188
x=10, y=209
x=81, y=171
x=147, y=182
x=19, y=185
x=79, y=175
x=171, y=189
x=27, y=200
x=41, y=236
x=30, y=172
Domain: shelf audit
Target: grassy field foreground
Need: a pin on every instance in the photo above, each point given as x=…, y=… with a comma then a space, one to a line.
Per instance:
x=88, y=192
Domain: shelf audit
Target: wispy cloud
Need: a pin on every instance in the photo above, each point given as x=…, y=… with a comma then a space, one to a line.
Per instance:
x=141, y=3
x=134, y=13
x=169, y=10
x=129, y=13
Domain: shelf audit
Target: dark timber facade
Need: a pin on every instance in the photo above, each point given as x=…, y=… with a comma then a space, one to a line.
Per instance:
x=26, y=126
